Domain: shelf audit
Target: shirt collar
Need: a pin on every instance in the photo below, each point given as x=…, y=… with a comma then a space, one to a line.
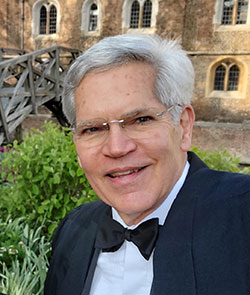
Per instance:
x=162, y=211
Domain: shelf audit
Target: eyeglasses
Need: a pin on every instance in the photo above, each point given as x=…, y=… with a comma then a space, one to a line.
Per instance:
x=137, y=125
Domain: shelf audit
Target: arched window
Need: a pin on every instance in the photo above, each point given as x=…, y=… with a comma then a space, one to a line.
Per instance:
x=45, y=17
x=52, y=20
x=219, y=78
x=233, y=79
x=43, y=20
x=93, y=14
x=48, y=19
x=146, y=16
x=139, y=15
x=226, y=77
x=135, y=14
x=91, y=17
x=234, y=12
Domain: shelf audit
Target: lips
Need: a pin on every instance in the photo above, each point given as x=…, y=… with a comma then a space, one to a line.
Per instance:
x=124, y=172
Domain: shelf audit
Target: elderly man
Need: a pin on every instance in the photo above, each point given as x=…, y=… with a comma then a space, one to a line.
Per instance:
x=165, y=224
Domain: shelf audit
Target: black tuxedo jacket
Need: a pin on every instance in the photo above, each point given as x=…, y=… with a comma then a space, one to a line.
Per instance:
x=203, y=247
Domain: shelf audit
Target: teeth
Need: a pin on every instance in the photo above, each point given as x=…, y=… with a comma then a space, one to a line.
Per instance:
x=120, y=174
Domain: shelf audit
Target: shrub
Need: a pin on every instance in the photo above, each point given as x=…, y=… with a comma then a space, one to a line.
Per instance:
x=221, y=160
x=11, y=240
x=3, y=150
x=23, y=258
x=46, y=178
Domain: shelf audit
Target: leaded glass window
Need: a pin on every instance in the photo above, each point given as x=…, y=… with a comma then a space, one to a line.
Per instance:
x=242, y=9
x=48, y=19
x=219, y=78
x=233, y=79
x=135, y=14
x=146, y=16
x=52, y=19
x=43, y=20
x=93, y=17
x=234, y=12
x=226, y=77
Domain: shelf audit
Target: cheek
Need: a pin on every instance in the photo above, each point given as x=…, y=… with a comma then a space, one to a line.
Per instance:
x=90, y=169
x=85, y=159
x=158, y=144
x=165, y=147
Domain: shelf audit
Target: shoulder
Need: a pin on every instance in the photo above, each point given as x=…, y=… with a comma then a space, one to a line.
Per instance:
x=225, y=184
x=216, y=191
x=215, y=182
x=222, y=198
x=79, y=219
x=87, y=211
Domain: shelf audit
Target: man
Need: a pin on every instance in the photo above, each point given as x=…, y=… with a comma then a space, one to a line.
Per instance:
x=166, y=224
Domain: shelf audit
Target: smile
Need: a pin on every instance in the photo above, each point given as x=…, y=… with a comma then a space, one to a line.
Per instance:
x=124, y=173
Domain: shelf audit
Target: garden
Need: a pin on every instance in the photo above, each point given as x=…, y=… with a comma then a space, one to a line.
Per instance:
x=40, y=183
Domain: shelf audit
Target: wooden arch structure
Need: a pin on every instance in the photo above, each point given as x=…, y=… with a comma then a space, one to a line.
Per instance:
x=30, y=80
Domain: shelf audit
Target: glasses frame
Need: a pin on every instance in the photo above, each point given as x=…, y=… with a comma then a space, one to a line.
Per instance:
x=74, y=125
x=124, y=120
x=121, y=122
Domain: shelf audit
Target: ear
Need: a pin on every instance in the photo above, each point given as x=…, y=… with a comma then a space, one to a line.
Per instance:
x=186, y=124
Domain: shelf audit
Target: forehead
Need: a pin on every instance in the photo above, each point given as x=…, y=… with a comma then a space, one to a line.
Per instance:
x=116, y=91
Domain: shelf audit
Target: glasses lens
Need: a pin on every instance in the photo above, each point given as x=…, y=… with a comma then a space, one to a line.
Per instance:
x=140, y=124
x=135, y=126
x=91, y=132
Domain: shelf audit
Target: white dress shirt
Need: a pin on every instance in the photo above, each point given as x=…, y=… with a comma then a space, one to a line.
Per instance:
x=126, y=271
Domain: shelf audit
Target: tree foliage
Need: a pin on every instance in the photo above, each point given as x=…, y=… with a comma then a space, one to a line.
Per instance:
x=44, y=177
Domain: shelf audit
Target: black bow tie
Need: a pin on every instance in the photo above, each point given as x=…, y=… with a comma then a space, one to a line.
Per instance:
x=112, y=234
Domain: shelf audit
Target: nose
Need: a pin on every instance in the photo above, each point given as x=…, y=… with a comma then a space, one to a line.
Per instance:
x=118, y=143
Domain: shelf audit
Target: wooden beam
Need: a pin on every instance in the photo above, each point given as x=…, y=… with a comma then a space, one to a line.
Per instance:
x=31, y=86
x=44, y=84
x=8, y=92
x=18, y=86
x=17, y=122
x=24, y=112
x=1, y=138
x=57, y=74
x=3, y=119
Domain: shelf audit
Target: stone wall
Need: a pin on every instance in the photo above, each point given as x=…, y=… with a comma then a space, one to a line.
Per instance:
x=233, y=108
x=235, y=138
x=170, y=18
x=10, y=24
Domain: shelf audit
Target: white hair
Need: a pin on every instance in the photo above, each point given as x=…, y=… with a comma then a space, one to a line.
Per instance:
x=173, y=69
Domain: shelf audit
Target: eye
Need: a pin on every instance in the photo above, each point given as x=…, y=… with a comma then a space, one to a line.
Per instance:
x=144, y=119
x=89, y=130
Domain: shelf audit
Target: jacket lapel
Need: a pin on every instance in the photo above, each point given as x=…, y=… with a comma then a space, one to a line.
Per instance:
x=82, y=260
x=78, y=261
x=173, y=261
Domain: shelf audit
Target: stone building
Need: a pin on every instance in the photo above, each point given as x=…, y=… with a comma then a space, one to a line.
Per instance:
x=216, y=34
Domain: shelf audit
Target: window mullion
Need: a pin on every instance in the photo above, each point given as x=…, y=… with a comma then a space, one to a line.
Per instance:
x=226, y=80
x=140, y=16
x=234, y=16
x=48, y=21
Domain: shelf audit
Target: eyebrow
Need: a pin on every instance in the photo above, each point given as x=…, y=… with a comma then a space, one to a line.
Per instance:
x=123, y=116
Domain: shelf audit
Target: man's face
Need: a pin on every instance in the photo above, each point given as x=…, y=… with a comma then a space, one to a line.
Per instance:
x=133, y=175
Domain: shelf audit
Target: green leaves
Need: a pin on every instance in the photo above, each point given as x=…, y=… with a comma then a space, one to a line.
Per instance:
x=221, y=160
x=45, y=177
x=24, y=258
x=56, y=178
